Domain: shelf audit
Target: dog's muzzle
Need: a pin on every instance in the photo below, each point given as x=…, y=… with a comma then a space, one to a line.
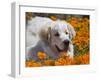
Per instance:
x=66, y=46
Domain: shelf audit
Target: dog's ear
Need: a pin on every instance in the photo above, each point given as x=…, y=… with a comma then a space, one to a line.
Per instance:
x=45, y=34
x=49, y=35
x=71, y=31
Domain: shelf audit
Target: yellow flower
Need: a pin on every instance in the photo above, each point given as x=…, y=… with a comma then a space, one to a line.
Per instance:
x=37, y=64
x=32, y=63
x=60, y=61
x=53, y=18
x=41, y=55
x=49, y=62
x=29, y=63
x=82, y=59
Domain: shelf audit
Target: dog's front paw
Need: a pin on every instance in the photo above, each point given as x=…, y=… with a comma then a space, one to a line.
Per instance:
x=70, y=54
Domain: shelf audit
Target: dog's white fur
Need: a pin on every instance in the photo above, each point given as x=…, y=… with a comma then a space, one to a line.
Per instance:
x=37, y=24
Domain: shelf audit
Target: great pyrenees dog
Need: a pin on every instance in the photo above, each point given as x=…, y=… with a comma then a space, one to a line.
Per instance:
x=48, y=36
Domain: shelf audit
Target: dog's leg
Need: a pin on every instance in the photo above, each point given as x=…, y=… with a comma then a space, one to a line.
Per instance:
x=71, y=51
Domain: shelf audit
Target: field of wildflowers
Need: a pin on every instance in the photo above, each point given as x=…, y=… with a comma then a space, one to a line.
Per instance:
x=81, y=45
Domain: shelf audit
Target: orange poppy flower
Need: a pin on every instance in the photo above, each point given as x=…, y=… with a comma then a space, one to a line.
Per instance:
x=41, y=55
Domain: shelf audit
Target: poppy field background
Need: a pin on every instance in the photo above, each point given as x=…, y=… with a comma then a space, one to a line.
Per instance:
x=81, y=41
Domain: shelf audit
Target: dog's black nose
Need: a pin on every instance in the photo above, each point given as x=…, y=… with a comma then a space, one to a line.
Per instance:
x=66, y=42
x=66, y=45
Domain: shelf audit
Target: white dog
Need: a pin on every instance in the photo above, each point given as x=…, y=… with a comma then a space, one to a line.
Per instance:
x=51, y=37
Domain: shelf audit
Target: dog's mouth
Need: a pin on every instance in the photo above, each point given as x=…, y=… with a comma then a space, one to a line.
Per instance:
x=58, y=49
x=62, y=50
x=66, y=46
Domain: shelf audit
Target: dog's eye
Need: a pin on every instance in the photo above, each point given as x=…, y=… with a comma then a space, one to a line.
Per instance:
x=66, y=32
x=57, y=34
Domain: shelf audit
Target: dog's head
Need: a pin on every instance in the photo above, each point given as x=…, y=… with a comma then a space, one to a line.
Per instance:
x=60, y=36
